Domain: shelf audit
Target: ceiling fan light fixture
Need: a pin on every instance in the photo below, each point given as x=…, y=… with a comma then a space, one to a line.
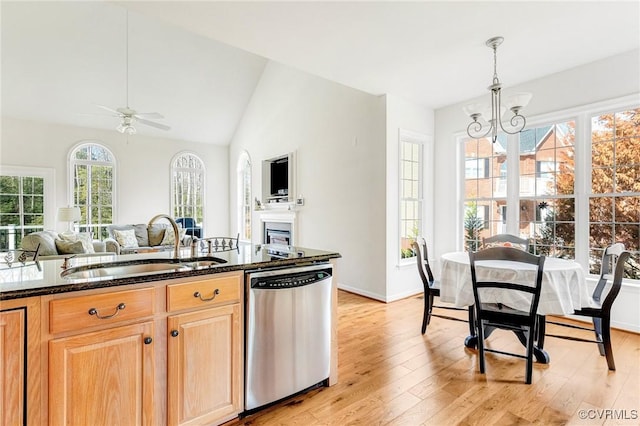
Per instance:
x=126, y=128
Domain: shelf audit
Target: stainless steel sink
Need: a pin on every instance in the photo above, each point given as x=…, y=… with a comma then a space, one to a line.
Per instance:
x=140, y=267
x=121, y=270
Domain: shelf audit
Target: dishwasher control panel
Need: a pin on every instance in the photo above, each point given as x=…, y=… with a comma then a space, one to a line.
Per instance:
x=290, y=280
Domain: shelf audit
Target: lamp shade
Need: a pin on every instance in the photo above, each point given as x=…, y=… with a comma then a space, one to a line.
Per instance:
x=518, y=100
x=68, y=214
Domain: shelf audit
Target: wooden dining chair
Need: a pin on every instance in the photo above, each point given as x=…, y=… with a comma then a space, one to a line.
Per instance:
x=507, y=240
x=614, y=259
x=431, y=287
x=491, y=315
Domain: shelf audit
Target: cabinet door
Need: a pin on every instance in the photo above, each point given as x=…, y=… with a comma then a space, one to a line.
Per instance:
x=103, y=378
x=204, y=377
x=12, y=366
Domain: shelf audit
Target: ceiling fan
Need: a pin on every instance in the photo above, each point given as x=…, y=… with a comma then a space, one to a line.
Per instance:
x=130, y=116
x=127, y=115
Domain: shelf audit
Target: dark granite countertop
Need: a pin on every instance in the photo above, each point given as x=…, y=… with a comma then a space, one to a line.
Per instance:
x=26, y=281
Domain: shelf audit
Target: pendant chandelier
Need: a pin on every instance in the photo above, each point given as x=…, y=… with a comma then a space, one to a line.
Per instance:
x=492, y=114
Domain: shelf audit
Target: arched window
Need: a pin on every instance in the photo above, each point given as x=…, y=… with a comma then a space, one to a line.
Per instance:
x=244, y=196
x=92, y=170
x=187, y=187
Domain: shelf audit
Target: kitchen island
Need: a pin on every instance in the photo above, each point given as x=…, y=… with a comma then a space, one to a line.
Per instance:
x=162, y=345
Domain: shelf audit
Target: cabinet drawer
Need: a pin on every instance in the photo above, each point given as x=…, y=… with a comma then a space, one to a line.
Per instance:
x=76, y=313
x=204, y=293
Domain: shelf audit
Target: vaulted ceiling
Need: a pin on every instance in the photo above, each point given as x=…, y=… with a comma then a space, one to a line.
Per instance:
x=198, y=63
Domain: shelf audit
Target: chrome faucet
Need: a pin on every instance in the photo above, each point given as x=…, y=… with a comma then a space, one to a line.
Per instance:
x=176, y=232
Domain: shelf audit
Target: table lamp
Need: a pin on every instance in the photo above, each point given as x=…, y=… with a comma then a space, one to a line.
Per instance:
x=69, y=214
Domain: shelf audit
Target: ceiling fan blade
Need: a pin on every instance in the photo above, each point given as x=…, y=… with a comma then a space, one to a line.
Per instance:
x=153, y=124
x=153, y=115
x=109, y=109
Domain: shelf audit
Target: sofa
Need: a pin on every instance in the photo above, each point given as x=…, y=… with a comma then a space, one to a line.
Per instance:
x=140, y=238
x=58, y=246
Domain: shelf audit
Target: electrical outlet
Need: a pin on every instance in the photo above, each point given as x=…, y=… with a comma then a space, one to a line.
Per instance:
x=300, y=201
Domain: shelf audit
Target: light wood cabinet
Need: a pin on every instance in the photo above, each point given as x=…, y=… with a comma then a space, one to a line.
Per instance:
x=205, y=341
x=20, y=390
x=12, y=369
x=204, y=366
x=166, y=353
x=103, y=378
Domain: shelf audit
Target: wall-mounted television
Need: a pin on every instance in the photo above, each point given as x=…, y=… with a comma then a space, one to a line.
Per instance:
x=277, y=179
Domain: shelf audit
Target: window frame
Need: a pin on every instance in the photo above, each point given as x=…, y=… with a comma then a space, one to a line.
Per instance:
x=71, y=162
x=195, y=171
x=244, y=164
x=423, y=141
x=48, y=176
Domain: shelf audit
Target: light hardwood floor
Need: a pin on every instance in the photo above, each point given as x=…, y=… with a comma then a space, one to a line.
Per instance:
x=390, y=374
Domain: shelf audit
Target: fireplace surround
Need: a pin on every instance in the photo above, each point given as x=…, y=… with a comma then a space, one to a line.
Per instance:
x=278, y=228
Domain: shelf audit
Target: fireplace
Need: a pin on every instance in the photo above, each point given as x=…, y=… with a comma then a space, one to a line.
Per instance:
x=277, y=233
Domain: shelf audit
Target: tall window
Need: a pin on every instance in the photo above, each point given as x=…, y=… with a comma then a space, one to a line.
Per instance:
x=22, y=199
x=547, y=178
x=92, y=185
x=614, y=199
x=187, y=187
x=544, y=195
x=244, y=196
x=411, y=191
x=485, y=201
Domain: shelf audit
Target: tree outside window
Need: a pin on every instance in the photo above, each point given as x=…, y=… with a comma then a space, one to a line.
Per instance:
x=21, y=209
x=614, y=201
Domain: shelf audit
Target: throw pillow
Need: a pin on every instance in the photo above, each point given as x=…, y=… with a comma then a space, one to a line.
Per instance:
x=141, y=234
x=69, y=247
x=126, y=238
x=169, y=238
x=84, y=237
x=156, y=233
x=46, y=240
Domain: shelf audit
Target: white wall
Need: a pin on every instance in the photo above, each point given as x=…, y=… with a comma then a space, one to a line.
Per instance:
x=143, y=167
x=403, y=280
x=338, y=134
x=610, y=78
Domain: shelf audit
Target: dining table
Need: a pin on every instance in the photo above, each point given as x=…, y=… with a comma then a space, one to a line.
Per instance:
x=564, y=289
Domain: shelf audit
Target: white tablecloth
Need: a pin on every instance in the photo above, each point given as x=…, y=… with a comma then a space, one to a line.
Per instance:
x=564, y=287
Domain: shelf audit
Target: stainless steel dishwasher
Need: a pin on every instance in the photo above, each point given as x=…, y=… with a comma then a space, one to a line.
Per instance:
x=288, y=332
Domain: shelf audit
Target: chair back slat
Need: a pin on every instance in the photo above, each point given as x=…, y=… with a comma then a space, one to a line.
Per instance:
x=512, y=255
x=420, y=247
x=621, y=261
x=608, y=263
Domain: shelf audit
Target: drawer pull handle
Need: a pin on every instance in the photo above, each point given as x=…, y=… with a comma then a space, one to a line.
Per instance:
x=174, y=333
x=199, y=296
x=148, y=340
x=94, y=311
